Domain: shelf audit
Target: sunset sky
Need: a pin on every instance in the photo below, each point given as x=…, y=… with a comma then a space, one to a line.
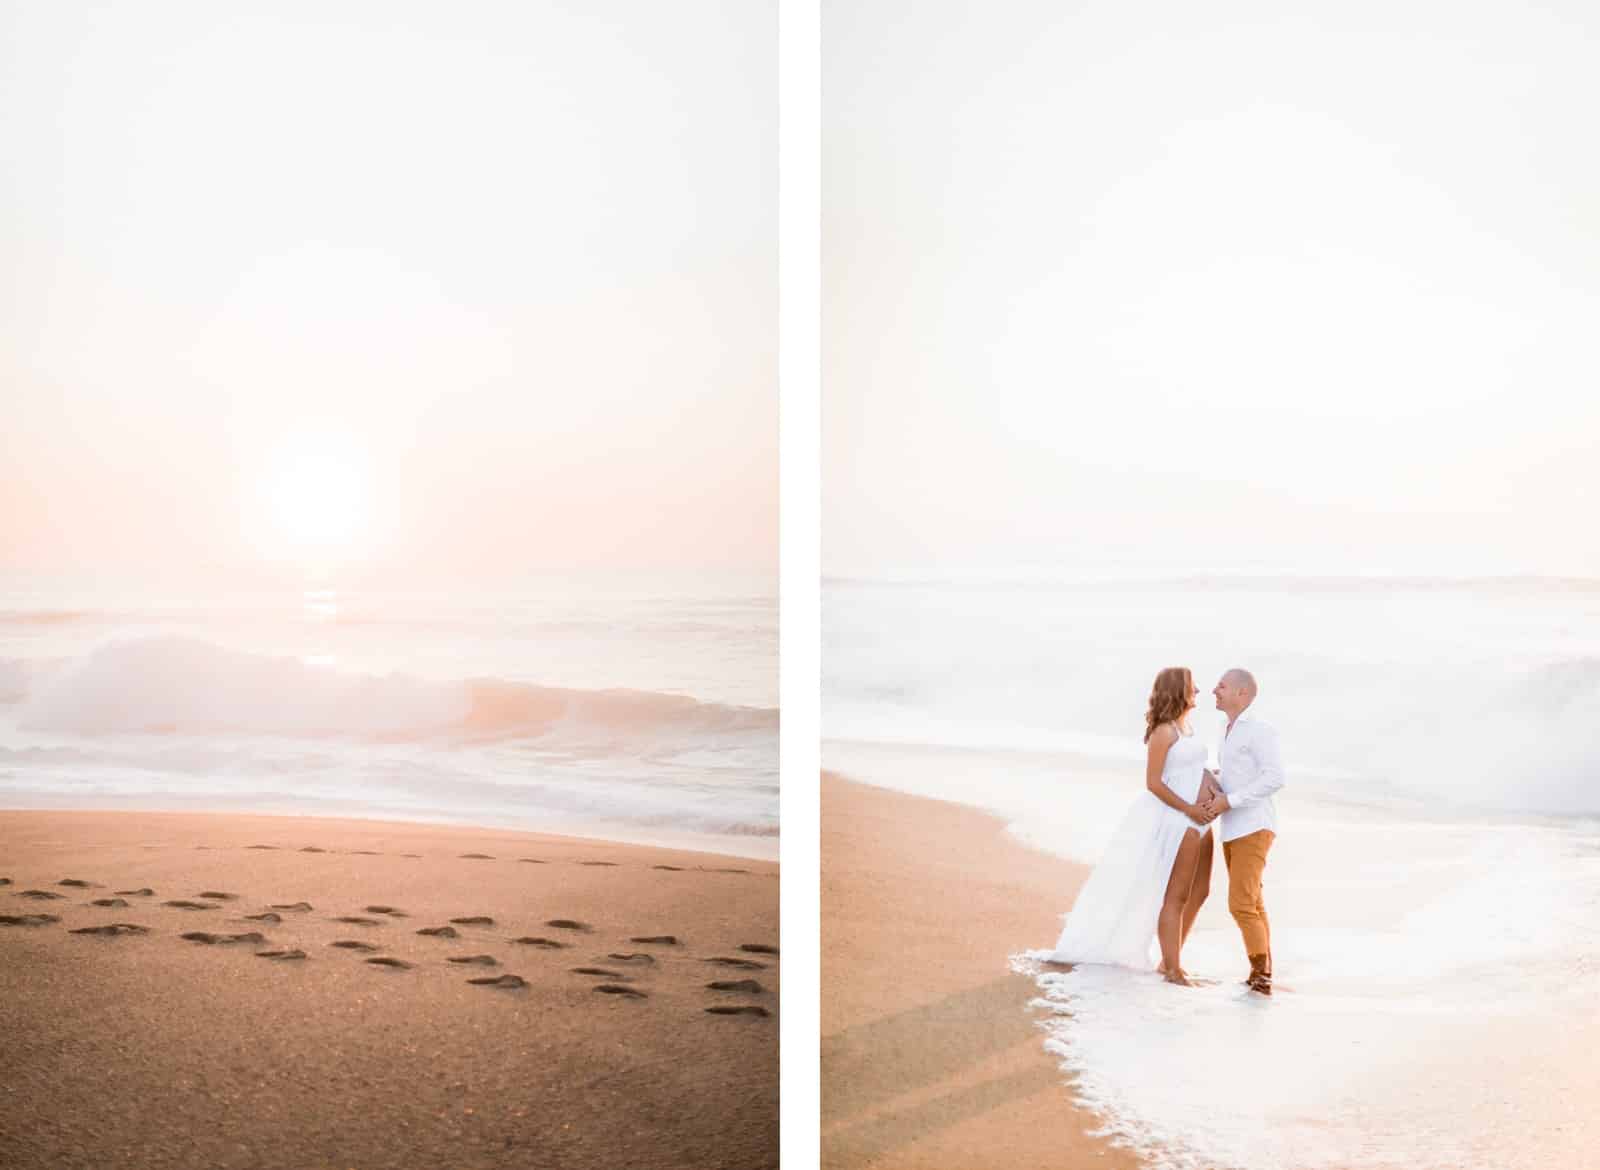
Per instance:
x=424, y=290
x=1224, y=286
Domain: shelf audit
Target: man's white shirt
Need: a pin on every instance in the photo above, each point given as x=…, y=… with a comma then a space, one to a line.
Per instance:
x=1249, y=771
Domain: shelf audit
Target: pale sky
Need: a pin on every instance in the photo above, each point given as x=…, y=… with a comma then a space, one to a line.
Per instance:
x=510, y=268
x=1307, y=287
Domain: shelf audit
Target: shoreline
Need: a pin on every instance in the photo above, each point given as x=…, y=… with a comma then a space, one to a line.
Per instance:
x=682, y=841
x=147, y=1048
x=931, y=1058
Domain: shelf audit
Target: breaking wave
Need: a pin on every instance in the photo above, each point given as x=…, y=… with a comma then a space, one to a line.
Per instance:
x=179, y=685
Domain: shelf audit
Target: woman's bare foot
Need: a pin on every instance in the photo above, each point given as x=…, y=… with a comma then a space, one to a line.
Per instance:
x=1177, y=977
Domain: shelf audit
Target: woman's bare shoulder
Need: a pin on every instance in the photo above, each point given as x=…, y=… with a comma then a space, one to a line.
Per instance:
x=1165, y=734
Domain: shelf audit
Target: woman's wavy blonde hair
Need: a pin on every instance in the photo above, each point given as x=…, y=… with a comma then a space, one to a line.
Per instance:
x=1169, y=698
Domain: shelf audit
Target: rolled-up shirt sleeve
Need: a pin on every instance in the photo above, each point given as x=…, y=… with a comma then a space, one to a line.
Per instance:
x=1269, y=768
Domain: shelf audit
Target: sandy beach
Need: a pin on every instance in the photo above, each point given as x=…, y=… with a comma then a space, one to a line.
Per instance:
x=930, y=1056
x=259, y=1040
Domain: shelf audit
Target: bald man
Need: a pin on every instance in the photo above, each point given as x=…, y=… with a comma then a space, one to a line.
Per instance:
x=1249, y=771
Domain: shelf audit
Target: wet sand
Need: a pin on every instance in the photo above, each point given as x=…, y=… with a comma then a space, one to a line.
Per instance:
x=335, y=993
x=931, y=1058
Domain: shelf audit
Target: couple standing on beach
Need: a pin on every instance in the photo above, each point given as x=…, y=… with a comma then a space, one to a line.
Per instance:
x=1156, y=872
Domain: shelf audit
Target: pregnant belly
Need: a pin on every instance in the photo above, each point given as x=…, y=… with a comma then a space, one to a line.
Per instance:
x=1186, y=784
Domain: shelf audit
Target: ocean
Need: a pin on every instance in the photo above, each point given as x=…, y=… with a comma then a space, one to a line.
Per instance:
x=634, y=710
x=1434, y=890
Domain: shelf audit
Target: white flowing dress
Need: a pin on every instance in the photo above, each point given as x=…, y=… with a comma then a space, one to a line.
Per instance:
x=1114, y=919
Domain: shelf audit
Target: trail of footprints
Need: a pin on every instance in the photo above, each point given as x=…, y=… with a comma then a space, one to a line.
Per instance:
x=613, y=982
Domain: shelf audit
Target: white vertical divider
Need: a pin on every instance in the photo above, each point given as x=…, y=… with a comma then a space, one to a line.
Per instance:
x=799, y=642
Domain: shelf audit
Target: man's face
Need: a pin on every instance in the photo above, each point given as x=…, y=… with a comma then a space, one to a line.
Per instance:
x=1225, y=693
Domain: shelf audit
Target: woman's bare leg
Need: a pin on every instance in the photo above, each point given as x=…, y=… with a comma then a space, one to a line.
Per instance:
x=1199, y=890
x=1170, y=923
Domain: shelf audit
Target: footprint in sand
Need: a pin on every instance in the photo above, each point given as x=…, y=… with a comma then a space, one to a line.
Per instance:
x=749, y=985
x=28, y=919
x=312, y=849
x=742, y=964
x=182, y=904
x=506, y=981
x=110, y=903
x=269, y=917
x=478, y=960
x=569, y=924
x=389, y=910
x=300, y=906
x=660, y=940
x=365, y=853
x=440, y=932
x=7, y=881
x=601, y=971
x=758, y=949
x=738, y=1009
x=218, y=895
x=549, y=944
x=611, y=863
x=260, y=846
x=201, y=936
x=281, y=955
x=634, y=957
x=411, y=855
x=143, y=892
x=476, y=857
x=386, y=961
x=619, y=989
x=528, y=860
x=475, y=920
x=727, y=870
x=113, y=930
x=669, y=868
x=351, y=944
x=357, y=920
x=42, y=895
x=76, y=883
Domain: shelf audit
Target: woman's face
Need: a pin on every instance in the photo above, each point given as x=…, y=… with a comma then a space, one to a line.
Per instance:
x=1194, y=693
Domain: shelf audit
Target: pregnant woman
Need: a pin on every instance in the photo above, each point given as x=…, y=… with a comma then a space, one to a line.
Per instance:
x=1156, y=871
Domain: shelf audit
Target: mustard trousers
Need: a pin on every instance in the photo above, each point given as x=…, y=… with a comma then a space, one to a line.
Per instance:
x=1246, y=858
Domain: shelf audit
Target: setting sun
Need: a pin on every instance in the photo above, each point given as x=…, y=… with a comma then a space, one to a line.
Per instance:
x=314, y=502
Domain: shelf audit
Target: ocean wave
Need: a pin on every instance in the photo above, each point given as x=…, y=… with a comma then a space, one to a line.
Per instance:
x=43, y=617
x=1223, y=582
x=1498, y=738
x=179, y=685
x=737, y=626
